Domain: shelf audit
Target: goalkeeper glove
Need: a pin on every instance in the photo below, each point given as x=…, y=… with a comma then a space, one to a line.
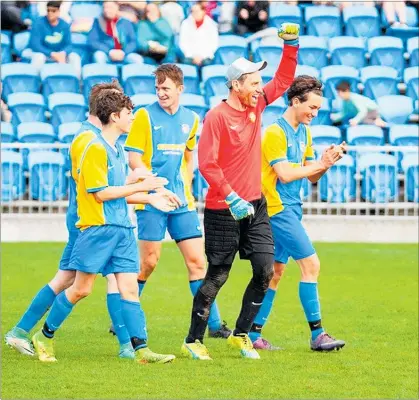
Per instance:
x=239, y=208
x=289, y=32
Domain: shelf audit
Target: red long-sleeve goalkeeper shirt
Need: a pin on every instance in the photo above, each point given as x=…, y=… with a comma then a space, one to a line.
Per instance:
x=229, y=149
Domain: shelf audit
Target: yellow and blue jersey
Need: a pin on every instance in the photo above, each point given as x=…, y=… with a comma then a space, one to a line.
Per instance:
x=82, y=138
x=162, y=139
x=282, y=143
x=99, y=166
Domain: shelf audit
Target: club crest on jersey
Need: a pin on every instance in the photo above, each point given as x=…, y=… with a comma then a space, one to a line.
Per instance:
x=252, y=117
x=302, y=146
x=185, y=128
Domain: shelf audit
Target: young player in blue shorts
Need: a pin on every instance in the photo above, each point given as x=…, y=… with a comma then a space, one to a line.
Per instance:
x=288, y=158
x=18, y=337
x=162, y=139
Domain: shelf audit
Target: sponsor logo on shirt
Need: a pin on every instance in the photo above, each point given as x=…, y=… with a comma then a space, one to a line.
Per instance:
x=55, y=38
x=185, y=128
x=171, y=147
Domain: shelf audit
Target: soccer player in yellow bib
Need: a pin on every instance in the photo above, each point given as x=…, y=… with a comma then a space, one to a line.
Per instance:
x=288, y=158
x=162, y=139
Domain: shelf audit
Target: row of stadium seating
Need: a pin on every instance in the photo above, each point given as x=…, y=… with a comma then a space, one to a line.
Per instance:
x=314, y=51
x=379, y=178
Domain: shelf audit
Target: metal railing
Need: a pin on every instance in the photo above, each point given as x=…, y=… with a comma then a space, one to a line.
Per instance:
x=369, y=180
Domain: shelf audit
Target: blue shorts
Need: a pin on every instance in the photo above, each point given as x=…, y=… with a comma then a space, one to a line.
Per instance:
x=152, y=225
x=65, y=258
x=105, y=249
x=290, y=237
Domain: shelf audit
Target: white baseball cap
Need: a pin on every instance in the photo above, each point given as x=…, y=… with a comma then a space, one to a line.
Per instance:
x=241, y=67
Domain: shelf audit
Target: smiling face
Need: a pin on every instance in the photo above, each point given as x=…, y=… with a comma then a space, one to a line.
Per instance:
x=307, y=109
x=248, y=89
x=123, y=120
x=168, y=93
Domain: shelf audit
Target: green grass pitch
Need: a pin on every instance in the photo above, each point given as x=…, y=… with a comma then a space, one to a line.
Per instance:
x=369, y=297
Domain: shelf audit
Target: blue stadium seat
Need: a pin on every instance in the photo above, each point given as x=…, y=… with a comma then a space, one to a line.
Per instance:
x=230, y=47
x=379, y=81
x=411, y=181
x=12, y=179
x=411, y=78
x=26, y=107
x=323, y=21
x=48, y=180
x=268, y=73
x=404, y=135
x=6, y=53
x=19, y=77
x=280, y=13
x=323, y=116
x=214, y=80
x=190, y=78
x=270, y=50
x=338, y=184
x=387, y=51
x=313, y=51
x=34, y=132
x=333, y=74
x=57, y=78
x=413, y=50
x=365, y=135
x=66, y=107
x=81, y=47
x=143, y=100
x=195, y=102
x=395, y=109
x=97, y=73
x=215, y=100
x=411, y=17
x=21, y=42
x=361, y=21
x=347, y=50
x=325, y=135
x=7, y=132
x=273, y=111
x=85, y=10
x=138, y=79
x=307, y=70
x=379, y=177
x=67, y=131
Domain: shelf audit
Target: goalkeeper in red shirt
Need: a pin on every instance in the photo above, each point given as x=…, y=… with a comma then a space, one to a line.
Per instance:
x=235, y=217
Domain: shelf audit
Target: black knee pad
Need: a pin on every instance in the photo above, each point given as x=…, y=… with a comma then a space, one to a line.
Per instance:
x=263, y=269
x=215, y=278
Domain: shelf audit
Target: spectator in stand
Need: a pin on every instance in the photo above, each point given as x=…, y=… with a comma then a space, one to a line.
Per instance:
x=113, y=38
x=252, y=16
x=6, y=115
x=226, y=16
x=173, y=13
x=198, y=39
x=155, y=37
x=395, y=12
x=11, y=17
x=132, y=10
x=357, y=109
x=41, y=7
x=51, y=40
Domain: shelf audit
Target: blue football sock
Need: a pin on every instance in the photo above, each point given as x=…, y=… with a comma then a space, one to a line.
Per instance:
x=262, y=315
x=309, y=298
x=61, y=309
x=214, y=319
x=39, y=306
x=134, y=319
x=113, y=301
x=141, y=285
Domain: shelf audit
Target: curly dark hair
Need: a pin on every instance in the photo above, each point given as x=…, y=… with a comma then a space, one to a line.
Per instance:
x=302, y=86
x=110, y=101
x=171, y=71
x=96, y=89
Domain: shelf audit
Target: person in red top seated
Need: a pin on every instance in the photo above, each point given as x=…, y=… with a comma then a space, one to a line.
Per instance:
x=235, y=217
